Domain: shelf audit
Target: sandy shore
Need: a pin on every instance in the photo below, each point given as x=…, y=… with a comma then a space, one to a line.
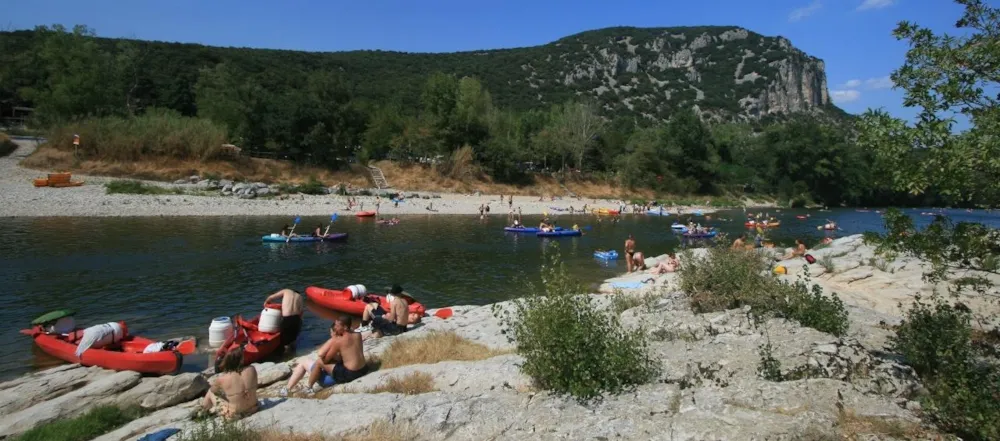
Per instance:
x=19, y=198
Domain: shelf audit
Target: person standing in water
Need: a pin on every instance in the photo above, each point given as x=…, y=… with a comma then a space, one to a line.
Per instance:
x=629, y=251
x=291, y=314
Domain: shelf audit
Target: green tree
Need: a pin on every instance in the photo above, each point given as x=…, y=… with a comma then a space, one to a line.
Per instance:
x=227, y=96
x=78, y=78
x=693, y=150
x=944, y=76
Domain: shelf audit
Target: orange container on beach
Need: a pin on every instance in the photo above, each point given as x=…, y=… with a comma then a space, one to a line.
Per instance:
x=66, y=184
x=59, y=178
x=41, y=182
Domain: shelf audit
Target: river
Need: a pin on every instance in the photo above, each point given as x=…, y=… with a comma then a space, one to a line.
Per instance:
x=168, y=277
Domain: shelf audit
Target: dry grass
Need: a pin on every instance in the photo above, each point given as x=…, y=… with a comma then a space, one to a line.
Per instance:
x=854, y=427
x=465, y=178
x=381, y=430
x=48, y=157
x=414, y=383
x=433, y=348
x=6, y=145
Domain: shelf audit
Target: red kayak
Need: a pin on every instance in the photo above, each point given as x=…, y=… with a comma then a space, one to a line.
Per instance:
x=340, y=300
x=125, y=355
x=800, y=217
x=258, y=345
x=365, y=214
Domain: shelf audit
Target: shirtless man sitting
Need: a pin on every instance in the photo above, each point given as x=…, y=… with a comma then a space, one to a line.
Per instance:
x=340, y=360
x=291, y=314
x=391, y=322
x=233, y=393
x=738, y=243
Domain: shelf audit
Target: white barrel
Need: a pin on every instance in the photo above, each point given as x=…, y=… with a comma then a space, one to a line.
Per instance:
x=219, y=331
x=362, y=291
x=64, y=325
x=270, y=320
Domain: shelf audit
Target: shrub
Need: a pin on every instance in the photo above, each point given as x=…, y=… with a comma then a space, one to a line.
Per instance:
x=153, y=134
x=729, y=279
x=570, y=344
x=94, y=423
x=137, y=187
x=6, y=145
x=312, y=186
x=936, y=340
x=769, y=367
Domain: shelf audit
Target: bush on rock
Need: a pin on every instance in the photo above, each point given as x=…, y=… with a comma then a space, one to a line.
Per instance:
x=572, y=345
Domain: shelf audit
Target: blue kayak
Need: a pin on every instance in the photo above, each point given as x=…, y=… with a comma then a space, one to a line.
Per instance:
x=707, y=235
x=279, y=238
x=606, y=255
x=531, y=230
x=679, y=227
x=559, y=233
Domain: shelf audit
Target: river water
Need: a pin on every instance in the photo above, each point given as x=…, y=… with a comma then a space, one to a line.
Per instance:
x=169, y=277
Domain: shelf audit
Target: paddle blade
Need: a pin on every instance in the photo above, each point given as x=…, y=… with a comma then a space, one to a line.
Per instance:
x=298, y=219
x=443, y=313
x=187, y=347
x=333, y=217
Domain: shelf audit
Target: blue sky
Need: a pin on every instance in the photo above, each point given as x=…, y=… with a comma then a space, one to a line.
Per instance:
x=853, y=37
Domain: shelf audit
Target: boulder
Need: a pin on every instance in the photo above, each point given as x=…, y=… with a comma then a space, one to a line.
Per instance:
x=248, y=195
x=32, y=389
x=181, y=181
x=159, y=392
x=194, y=178
x=270, y=373
x=227, y=188
x=237, y=188
x=69, y=405
x=224, y=182
x=263, y=191
x=204, y=183
x=259, y=185
x=138, y=428
x=497, y=373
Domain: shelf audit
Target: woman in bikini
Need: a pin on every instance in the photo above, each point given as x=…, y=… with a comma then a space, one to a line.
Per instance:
x=233, y=394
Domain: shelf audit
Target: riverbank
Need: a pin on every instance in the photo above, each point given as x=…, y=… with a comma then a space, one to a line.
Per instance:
x=18, y=198
x=709, y=388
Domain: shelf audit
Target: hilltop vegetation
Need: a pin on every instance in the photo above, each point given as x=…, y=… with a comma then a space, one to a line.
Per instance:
x=706, y=110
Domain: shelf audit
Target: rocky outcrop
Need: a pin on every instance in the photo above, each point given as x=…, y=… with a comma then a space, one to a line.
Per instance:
x=99, y=391
x=727, y=72
x=709, y=388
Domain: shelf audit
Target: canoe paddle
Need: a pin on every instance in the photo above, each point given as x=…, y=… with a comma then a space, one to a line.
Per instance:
x=295, y=224
x=333, y=217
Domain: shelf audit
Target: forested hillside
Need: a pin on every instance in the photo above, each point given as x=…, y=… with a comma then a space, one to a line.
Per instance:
x=676, y=110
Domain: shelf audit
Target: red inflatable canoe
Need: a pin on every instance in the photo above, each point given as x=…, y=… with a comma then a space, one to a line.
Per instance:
x=365, y=214
x=340, y=300
x=259, y=345
x=126, y=355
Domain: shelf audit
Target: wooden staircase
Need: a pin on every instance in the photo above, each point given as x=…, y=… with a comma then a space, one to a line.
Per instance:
x=377, y=177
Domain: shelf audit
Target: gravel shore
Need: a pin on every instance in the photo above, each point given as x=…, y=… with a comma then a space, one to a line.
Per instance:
x=19, y=198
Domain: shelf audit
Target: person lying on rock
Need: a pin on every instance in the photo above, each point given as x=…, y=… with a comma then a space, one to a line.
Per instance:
x=291, y=314
x=392, y=322
x=668, y=265
x=233, y=393
x=340, y=360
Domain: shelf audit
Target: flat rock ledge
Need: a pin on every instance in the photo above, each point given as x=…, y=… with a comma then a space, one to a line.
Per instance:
x=709, y=387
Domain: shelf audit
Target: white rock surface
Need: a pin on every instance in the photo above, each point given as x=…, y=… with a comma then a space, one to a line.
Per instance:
x=101, y=390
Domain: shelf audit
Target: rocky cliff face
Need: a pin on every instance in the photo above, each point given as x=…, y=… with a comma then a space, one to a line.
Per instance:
x=725, y=72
